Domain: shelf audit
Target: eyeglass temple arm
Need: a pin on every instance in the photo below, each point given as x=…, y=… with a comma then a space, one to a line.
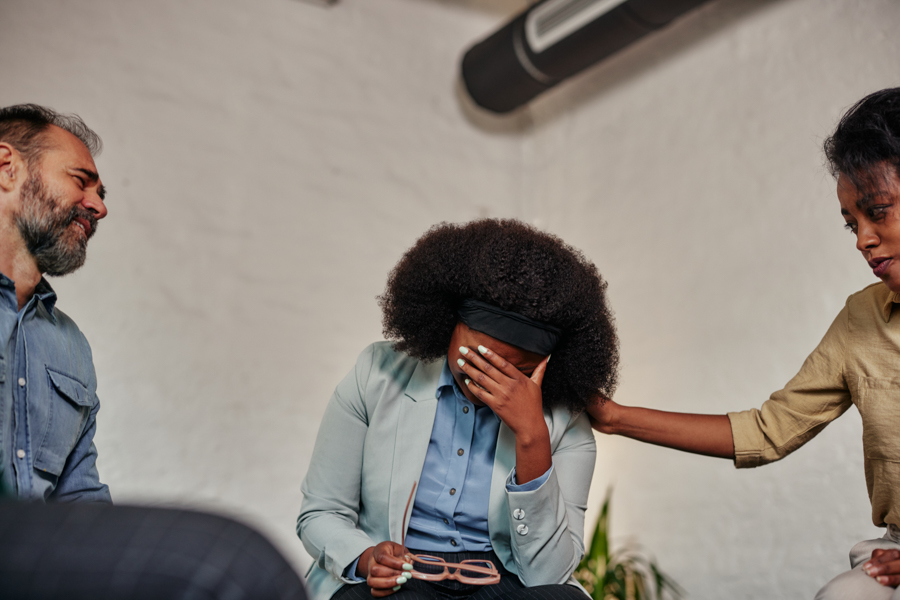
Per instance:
x=405, y=512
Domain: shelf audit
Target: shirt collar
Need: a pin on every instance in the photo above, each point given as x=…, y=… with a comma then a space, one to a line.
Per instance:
x=893, y=298
x=46, y=295
x=43, y=292
x=446, y=379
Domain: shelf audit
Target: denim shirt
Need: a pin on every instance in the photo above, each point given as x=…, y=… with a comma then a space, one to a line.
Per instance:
x=48, y=401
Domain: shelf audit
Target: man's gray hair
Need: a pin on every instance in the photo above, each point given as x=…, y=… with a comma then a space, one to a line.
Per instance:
x=22, y=126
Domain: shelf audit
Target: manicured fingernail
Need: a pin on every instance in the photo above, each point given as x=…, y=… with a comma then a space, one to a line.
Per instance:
x=548, y=359
x=397, y=587
x=867, y=568
x=407, y=566
x=882, y=580
x=467, y=381
x=460, y=362
x=463, y=350
x=401, y=580
x=482, y=349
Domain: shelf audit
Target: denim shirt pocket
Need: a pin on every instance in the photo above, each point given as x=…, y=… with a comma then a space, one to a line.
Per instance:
x=69, y=408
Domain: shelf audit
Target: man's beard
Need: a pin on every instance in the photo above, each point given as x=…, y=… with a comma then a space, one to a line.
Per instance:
x=45, y=225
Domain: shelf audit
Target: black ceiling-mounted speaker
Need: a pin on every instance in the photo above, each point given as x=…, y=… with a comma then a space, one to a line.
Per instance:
x=555, y=39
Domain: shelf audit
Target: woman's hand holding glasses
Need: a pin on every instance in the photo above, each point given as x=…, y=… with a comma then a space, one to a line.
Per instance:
x=385, y=568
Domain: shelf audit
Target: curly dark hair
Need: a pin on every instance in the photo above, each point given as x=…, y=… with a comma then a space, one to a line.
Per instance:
x=518, y=268
x=867, y=135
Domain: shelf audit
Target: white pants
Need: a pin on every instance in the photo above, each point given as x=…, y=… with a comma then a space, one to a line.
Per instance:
x=855, y=584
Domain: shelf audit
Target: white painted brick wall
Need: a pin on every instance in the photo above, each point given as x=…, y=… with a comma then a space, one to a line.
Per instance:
x=269, y=161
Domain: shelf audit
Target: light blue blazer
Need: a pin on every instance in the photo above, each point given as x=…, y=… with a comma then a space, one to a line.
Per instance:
x=371, y=447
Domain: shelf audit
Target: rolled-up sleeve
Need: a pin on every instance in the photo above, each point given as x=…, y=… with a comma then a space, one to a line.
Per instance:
x=817, y=395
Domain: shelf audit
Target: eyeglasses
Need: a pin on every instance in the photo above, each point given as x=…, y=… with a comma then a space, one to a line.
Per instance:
x=432, y=568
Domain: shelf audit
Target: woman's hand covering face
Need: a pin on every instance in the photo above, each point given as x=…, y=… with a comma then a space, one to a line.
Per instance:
x=513, y=396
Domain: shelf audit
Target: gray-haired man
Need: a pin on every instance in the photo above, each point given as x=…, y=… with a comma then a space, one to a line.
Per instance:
x=51, y=198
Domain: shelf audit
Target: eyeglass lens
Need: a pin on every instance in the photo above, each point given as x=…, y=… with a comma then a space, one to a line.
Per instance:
x=436, y=566
x=483, y=564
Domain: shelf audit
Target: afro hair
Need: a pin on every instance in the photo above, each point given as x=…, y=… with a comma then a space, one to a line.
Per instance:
x=518, y=268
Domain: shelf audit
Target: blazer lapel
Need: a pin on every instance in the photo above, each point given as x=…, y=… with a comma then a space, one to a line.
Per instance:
x=414, y=423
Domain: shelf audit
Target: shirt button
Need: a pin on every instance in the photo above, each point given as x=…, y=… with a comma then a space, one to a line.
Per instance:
x=20, y=453
x=466, y=409
x=518, y=514
x=21, y=382
x=460, y=452
x=522, y=529
x=446, y=522
x=452, y=491
x=453, y=542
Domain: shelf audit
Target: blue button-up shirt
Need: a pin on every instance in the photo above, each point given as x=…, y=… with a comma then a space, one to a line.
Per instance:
x=48, y=401
x=450, y=513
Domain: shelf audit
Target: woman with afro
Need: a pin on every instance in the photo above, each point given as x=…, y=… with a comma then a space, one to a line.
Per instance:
x=465, y=422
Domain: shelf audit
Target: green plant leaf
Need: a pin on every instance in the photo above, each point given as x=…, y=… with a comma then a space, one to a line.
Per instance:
x=623, y=574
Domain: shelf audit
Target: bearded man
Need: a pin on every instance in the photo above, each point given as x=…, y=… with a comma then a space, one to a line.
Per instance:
x=51, y=198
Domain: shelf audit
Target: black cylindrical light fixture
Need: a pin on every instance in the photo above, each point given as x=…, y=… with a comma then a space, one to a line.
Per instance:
x=555, y=39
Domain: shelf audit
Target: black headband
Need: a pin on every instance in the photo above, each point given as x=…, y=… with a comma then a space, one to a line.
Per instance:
x=509, y=327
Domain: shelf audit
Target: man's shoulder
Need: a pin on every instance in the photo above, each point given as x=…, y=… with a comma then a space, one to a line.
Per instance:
x=67, y=324
x=68, y=332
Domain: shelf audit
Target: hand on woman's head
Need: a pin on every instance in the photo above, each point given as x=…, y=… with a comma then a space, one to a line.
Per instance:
x=600, y=412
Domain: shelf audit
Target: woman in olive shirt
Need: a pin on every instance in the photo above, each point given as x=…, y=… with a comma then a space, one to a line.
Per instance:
x=857, y=362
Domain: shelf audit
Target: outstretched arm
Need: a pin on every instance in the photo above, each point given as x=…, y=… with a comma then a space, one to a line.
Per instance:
x=817, y=395
x=701, y=434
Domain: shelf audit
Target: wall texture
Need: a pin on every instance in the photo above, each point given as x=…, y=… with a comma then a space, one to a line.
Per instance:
x=269, y=161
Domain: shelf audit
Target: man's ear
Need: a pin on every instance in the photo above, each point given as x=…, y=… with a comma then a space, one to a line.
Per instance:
x=12, y=168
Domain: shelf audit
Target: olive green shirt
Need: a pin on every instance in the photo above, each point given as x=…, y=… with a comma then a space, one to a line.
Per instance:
x=858, y=362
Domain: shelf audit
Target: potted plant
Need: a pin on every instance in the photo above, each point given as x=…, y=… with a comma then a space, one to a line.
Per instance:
x=622, y=574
